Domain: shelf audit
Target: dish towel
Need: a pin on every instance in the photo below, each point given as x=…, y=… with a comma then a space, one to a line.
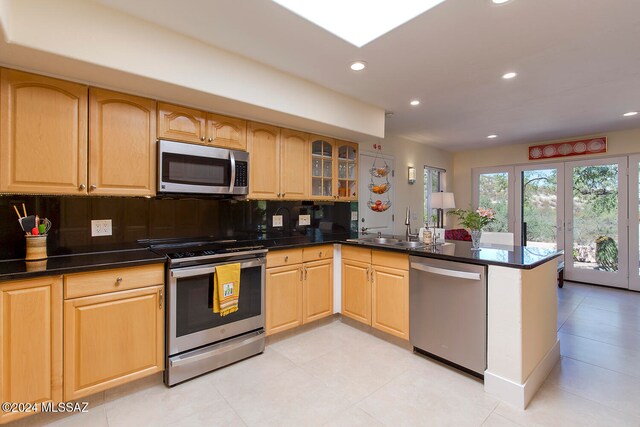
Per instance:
x=226, y=289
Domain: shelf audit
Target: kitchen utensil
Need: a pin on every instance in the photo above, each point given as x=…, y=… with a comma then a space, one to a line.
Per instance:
x=35, y=231
x=28, y=223
x=24, y=210
x=47, y=226
x=17, y=213
x=42, y=228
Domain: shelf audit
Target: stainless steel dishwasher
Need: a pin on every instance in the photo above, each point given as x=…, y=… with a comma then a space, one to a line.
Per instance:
x=448, y=312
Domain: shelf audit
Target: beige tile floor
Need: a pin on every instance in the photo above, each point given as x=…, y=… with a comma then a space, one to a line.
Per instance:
x=338, y=375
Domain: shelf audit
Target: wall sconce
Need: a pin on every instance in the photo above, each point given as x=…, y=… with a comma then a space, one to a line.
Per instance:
x=412, y=175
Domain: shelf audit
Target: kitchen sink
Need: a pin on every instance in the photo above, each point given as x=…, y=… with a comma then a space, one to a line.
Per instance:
x=381, y=240
x=412, y=245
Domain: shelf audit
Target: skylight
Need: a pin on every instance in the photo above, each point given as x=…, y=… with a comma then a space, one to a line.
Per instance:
x=358, y=21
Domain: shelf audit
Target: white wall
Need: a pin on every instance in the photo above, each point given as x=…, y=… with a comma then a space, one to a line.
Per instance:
x=621, y=142
x=85, y=41
x=407, y=154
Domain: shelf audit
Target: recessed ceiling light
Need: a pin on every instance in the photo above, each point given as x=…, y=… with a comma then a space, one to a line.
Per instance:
x=630, y=113
x=492, y=136
x=500, y=1
x=509, y=75
x=415, y=102
x=358, y=65
x=358, y=21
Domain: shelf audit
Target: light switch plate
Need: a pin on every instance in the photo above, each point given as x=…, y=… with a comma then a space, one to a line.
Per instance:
x=304, y=219
x=354, y=215
x=277, y=220
x=100, y=227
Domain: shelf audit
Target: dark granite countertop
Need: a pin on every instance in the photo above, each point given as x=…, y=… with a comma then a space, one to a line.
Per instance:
x=65, y=264
x=515, y=257
x=522, y=257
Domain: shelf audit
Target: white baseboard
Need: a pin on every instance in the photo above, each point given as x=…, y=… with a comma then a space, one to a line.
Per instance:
x=519, y=395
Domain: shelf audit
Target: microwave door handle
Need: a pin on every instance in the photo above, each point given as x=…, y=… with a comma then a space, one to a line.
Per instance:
x=232, y=158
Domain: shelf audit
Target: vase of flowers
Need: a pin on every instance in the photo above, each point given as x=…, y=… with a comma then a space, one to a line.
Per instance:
x=474, y=220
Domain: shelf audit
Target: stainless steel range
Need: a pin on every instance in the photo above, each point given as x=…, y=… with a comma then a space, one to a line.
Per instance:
x=199, y=340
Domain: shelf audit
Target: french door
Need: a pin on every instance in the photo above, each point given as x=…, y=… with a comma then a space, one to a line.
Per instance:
x=596, y=228
x=583, y=207
x=634, y=220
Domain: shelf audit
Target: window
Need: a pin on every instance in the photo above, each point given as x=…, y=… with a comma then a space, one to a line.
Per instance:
x=433, y=182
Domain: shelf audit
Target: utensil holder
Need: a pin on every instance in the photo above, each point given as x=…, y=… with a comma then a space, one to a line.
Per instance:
x=36, y=248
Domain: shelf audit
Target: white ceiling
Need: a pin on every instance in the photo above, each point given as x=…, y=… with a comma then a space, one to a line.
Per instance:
x=578, y=63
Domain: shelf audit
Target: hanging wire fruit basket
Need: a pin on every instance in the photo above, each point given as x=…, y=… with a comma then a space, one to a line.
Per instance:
x=379, y=188
x=379, y=205
x=380, y=171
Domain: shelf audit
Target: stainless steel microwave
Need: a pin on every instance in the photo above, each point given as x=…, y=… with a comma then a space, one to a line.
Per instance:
x=198, y=169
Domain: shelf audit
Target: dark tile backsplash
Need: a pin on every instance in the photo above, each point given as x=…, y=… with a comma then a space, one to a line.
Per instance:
x=155, y=218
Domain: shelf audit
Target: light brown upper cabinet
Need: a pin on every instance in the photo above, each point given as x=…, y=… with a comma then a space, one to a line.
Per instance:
x=294, y=171
x=189, y=125
x=181, y=123
x=122, y=144
x=263, y=142
x=226, y=132
x=277, y=169
x=334, y=169
x=347, y=173
x=43, y=141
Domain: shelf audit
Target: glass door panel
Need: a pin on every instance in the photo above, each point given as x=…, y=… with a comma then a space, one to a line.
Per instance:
x=347, y=171
x=634, y=221
x=321, y=169
x=596, y=222
x=540, y=212
x=494, y=193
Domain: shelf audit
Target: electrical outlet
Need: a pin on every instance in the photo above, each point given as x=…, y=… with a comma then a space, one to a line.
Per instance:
x=304, y=219
x=354, y=215
x=277, y=221
x=100, y=227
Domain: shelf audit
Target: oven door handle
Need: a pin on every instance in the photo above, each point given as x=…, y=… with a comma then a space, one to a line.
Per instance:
x=224, y=349
x=179, y=273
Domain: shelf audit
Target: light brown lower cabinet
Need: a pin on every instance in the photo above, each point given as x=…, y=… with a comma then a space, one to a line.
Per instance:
x=113, y=337
x=298, y=293
x=30, y=343
x=375, y=289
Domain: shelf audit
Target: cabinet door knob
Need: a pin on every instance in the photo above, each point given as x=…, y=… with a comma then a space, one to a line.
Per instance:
x=202, y=138
x=286, y=258
x=82, y=186
x=283, y=194
x=278, y=194
x=118, y=281
x=210, y=139
x=320, y=254
x=93, y=187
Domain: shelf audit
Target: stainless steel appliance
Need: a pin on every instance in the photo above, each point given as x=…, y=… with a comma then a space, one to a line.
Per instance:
x=448, y=312
x=199, y=340
x=198, y=169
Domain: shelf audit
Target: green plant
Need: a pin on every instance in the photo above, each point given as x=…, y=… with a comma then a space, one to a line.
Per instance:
x=606, y=253
x=474, y=220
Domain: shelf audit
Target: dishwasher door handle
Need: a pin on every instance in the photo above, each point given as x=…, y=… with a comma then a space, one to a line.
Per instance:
x=445, y=271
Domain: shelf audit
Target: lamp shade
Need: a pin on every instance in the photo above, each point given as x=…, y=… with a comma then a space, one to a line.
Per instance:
x=442, y=200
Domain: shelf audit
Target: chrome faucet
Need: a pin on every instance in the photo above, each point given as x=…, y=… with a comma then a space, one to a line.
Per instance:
x=364, y=231
x=407, y=221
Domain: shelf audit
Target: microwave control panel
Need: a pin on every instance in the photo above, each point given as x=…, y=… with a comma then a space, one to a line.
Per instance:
x=241, y=175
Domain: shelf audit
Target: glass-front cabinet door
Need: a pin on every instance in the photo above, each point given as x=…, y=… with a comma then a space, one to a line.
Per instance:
x=322, y=151
x=347, y=170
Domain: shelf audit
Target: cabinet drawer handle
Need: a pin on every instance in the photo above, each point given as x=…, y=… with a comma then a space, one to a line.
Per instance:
x=305, y=273
x=320, y=254
x=301, y=273
x=286, y=258
x=118, y=281
x=202, y=138
x=82, y=186
x=160, y=298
